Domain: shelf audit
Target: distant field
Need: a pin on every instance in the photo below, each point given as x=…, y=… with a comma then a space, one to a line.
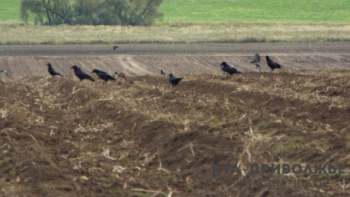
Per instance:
x=9, y=10
x=256, y=10
x=194, y=21
x=231, y=10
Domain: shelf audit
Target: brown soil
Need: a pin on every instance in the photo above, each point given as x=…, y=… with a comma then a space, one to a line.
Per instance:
x=62, y=137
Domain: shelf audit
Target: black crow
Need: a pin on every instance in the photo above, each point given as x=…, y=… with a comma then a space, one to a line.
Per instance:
x=115, y=47
x=4, y=71
x=103, y=75
x=173, y=80
x=228, y=68
x=52, y=71
x=162, y=72
x=272, y=64
x=81, y=74
x=257, y=61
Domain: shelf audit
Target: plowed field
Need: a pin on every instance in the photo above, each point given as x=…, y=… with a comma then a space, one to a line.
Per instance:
x=140, y=137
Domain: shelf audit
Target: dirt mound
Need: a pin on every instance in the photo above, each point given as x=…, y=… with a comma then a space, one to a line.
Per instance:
x=62, y=137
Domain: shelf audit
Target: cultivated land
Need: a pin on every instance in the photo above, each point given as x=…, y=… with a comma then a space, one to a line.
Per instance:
x=148, y=59
x=139, y=137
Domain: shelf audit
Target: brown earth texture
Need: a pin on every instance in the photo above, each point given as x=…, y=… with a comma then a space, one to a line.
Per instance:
x=208, y=136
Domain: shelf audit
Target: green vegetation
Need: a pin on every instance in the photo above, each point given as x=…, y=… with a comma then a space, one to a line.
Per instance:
x=197, y=21
x=281, y=149
x=256, y=10
x=10, y=10
x=263, y=125
x=233, y=10
x=299, y=139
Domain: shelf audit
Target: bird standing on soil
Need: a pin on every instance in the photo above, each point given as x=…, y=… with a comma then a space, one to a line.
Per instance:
x=81, y=74
x=4, y=71
x=162, y=72
x=228, y=68
x=103, y=75
x=115, y=47
x=257, y=61
x=174, y=80
x=273, y=65
x=52, y=71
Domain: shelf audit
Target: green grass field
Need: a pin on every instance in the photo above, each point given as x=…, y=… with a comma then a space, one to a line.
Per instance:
x=234, y=10
x=9, y=10
x=256, y=10
x=194, y=21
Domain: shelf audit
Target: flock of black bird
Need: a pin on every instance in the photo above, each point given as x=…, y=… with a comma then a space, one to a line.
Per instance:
x=230, y=69
x=82, y=75
x=172, y=79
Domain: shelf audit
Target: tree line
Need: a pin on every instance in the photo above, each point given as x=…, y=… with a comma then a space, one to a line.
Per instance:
x=92, y=12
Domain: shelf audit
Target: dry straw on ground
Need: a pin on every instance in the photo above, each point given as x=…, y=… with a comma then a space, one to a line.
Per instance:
x=196, y=33
x=63, y=137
